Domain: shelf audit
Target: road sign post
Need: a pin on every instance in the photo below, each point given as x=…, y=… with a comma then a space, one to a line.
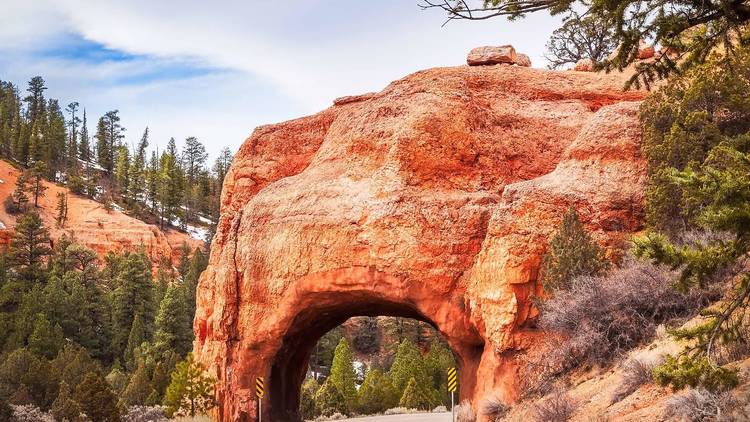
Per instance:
x=260, y=390
x=452, y=387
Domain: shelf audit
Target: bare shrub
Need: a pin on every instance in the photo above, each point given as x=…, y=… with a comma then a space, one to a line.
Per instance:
x=440, y=409
x=603, y=317
x=699, y=404
x=557, y=407
x=145, y=414
x=495, y=410
x=635, y=373
x=465, y=413
x=30, y=413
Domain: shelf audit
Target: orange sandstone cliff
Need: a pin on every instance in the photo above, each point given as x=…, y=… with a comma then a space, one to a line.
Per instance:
x=433, y=199
x=92, y=226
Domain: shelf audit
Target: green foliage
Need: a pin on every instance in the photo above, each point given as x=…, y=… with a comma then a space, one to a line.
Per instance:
x=96, y=399
x=133, y=297
x=342, y=373
x=307, y=408
x=693, y=30
x=64, y=408
x=376, y=394
x=23, y=372
x=138, y=388
x=322, y=354
x=572, y=253
x=409, y=364
x=437, y=361
x=704, y=183
x=414, y=397
x=692, y=371
x=191, y=390
x=329, y=400
x=29, y=247
x=173, y=329
x=6, y=412
x=45, y=340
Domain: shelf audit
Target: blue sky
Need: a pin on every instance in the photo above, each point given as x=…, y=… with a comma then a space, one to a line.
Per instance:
x=217, y=69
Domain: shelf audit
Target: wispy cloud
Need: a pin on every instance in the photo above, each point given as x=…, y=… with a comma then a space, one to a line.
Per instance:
x=231, y=65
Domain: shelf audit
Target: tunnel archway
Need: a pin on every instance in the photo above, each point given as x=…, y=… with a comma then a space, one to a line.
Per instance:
x=290, y=365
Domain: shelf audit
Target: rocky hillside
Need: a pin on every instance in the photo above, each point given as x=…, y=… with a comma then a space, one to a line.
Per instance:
x=432, y=199
x=92, y=225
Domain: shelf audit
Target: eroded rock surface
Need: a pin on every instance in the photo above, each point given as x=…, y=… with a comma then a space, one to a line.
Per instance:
x=432, y=199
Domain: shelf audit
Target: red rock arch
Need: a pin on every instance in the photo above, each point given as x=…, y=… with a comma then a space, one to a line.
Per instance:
x=433, y=199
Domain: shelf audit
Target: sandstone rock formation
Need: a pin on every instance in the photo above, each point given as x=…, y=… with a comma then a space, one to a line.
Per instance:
x=92, y=226
x=523, y=60
x=433, y=199
x=490, y=55
x=645, y=51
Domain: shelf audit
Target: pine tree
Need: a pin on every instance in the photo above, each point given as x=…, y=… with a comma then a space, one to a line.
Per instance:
x=408, y=364
x=376, y=394
x=413, y=397
x=572, y=253
x=342, y=373
x=96, y=399
x=122, y=171
x=74, y=122
x=329, y=400
x=84, y=147
x=173, y=329
x=198, y=263
x=6, y=412
x=138, y=388
x=62, y=209
x=221, y=165
x=132, y=297
x=307, y=408
x=108, y=137
x=29, y=247
x=137, y=172
x=46, y=340
x=152, y=183
x=64, y=407
x=55, y=140
x=136, y=338
x=171, y=188
x=20, y=199
x=191, y=390
x=365, y=337
x=38, y=172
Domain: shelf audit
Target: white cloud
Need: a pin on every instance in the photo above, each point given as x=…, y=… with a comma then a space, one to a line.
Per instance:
x=296, y=55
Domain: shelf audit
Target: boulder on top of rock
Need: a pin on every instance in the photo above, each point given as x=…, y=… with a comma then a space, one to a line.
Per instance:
x=489, y=55
x=584, y=65
x=645, y=51
x=523, y=60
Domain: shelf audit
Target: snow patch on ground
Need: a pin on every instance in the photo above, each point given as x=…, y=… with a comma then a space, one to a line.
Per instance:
x=2, y=225
x=198, y=233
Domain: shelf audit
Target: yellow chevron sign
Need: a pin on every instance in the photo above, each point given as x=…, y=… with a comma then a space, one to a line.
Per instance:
x=260, y=387
x=452, y=380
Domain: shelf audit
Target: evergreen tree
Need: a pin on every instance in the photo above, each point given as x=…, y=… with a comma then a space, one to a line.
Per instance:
x=414, y=398
x=72, y=365
x=27, y=376
x=437, y=362
x=713, y=186
x=137, y=172
x=170, y=189
x=198, y=263
x=96, y=399
x=29, y=247
x=138, y=388
x=329, y=400
x=64, y=408
x=342, y=373
x=193, y=161
x=46, y=340
x=38, y=172
x=122, y=171
x=132, y=297
x=322, y=354
x=6, y=412
x=191, y=390
x=376, y=394
x=408, y=364
x=20, y=199
x=572, y=253
x=152, y=182
x=136, y=338
x=84, y=147
x=108, y=137
x=62, y=209
x=365, y=337
x=221, y=165
x=55, y=140
x=173, y=329
x=307, y=408
x=74, y=123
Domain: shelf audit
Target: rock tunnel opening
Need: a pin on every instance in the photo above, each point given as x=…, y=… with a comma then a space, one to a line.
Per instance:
x=291, y=365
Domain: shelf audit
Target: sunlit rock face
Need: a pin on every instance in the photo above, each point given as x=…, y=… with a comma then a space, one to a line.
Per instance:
x=432, y=199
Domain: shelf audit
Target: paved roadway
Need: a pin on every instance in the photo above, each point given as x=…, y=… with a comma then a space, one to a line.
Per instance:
x=414, y=417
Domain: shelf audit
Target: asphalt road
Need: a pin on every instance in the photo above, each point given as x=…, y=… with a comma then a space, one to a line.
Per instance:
x=414, y=417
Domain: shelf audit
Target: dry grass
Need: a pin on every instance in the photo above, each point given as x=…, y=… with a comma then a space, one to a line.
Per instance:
x=201, y=418
x=557, y=407
x=495, y=410
x=635, y=373
x=464, y=412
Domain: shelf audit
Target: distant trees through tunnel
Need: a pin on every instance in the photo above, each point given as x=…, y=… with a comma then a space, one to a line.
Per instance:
x=368, y=365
